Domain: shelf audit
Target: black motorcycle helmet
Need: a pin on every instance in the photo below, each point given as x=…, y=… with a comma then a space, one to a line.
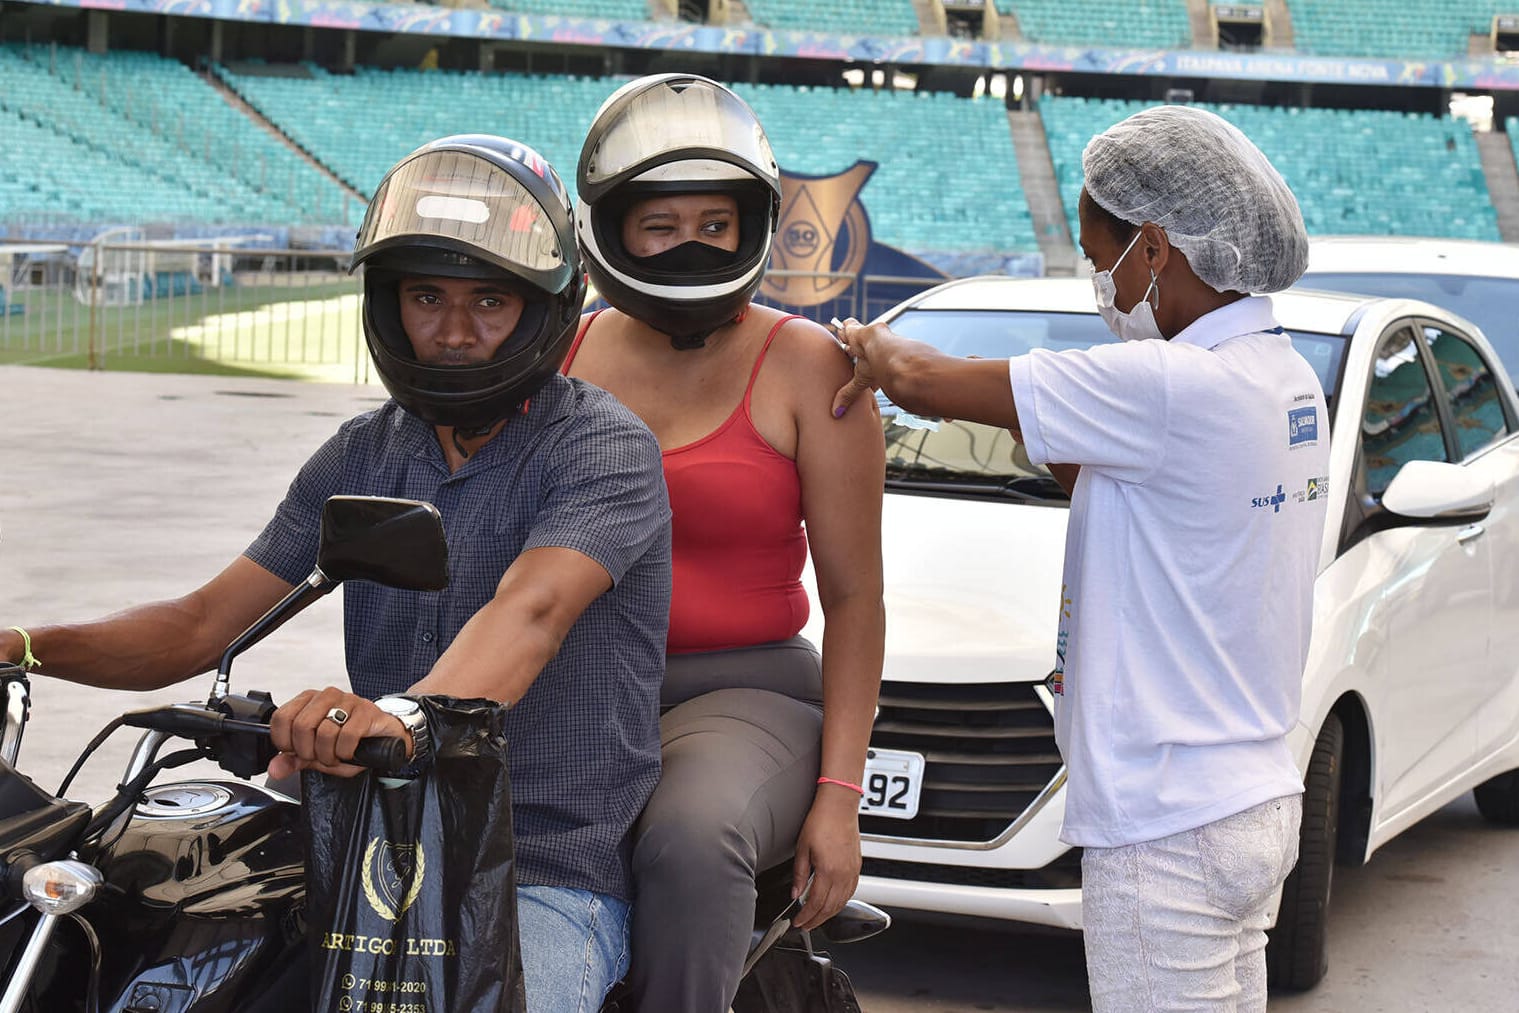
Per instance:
x=471, y=206
x=676, y=134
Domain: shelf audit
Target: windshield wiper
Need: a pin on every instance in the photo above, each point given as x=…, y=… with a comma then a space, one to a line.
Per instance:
x=1023, y=489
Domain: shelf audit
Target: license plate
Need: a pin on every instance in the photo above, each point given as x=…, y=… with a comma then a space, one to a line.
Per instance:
x=893, y=781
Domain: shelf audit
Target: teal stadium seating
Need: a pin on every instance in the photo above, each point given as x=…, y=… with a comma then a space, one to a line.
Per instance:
x=1368, y=172
x=361, y=124
x=613, y=10
x=1511, y=127
x=947, y=179
x=1130, y=24
x=845, y=17
x=134, y=138
x=1405, y=29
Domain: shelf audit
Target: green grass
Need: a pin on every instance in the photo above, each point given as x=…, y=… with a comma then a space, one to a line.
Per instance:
x=249, y=329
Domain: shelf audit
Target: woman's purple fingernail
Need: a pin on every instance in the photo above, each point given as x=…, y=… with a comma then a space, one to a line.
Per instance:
x=838, y=412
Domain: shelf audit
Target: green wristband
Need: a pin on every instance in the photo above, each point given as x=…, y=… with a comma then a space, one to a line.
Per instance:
x=28, y=659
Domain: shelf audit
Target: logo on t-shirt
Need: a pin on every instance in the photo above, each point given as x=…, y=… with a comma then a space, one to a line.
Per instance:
x=1055, y=681
x=1274, y=501
x=1316, y=488
x=1302, y=426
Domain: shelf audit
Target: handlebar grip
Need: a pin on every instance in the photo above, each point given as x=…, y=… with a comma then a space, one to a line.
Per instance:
x=383, y=753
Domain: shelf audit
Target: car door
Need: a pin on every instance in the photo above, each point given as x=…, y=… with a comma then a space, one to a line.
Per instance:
x=1425, y=587
x=1481, y=419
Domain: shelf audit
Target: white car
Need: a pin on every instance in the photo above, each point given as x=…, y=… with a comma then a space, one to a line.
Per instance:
x=1478, y=280
x=1410, y=696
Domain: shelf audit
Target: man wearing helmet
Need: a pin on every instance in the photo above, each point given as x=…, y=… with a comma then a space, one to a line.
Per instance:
x=558, y=529
x=764, y=742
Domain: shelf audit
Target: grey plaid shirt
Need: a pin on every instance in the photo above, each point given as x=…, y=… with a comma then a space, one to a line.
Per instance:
x=578, y=471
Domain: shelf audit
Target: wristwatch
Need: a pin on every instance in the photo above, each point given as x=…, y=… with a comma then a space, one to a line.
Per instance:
x=409, y=713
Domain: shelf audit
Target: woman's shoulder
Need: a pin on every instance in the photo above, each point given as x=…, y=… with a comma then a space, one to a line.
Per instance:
x=803, y=346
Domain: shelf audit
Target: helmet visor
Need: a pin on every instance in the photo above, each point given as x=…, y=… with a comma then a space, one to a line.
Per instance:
x=458, y=201
x=671, y=120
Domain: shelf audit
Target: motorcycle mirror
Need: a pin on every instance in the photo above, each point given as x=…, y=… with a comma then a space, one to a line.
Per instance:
x=396, y=542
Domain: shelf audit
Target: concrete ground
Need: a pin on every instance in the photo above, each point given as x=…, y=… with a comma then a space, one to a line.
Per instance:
x=117, y=488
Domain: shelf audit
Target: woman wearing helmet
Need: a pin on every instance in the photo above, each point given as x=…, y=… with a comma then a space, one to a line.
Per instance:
x=763, y=741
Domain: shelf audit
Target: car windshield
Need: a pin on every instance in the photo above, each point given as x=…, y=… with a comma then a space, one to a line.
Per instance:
x=1487, y=302
x=969, y=459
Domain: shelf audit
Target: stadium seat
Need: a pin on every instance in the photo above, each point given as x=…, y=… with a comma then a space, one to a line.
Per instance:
x=1392, y=29
x=849, y=17
x=1336, y=161
x=1157, y=24
x=361, y=124
x=135, y=138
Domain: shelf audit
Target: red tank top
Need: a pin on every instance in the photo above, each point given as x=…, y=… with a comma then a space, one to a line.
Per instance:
x=737, y=541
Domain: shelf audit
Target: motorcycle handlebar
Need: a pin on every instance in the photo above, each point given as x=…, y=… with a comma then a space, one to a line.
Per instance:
x=381, y=753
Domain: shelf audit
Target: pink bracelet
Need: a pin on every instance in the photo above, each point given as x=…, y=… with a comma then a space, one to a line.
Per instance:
x=842, y=784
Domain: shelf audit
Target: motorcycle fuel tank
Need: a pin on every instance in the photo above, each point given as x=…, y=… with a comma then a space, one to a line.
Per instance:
x=206, y=914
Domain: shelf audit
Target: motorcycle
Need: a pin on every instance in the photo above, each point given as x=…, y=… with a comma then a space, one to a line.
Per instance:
x=188, y=896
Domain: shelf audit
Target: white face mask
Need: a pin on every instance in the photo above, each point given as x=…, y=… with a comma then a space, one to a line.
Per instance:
x=1139, y=323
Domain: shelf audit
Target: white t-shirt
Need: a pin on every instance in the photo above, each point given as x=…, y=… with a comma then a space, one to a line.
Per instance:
x=1190, y=558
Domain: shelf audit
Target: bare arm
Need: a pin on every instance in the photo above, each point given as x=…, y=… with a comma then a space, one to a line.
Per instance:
x=497, y=655
x=158, y=644
x=842, y=468
x=1066, y=475
x=925, y=381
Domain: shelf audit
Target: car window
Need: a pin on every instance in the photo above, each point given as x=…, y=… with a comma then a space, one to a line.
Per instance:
x=971, y=459
x=1401, y=423
x=1476, y=408
x=1002, y=334
x=1487, y=302
x=967, y=458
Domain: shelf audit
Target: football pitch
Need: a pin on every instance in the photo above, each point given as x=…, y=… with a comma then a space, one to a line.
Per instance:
x=254, y=328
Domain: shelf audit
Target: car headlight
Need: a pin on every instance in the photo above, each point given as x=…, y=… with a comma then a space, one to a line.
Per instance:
x=57, y=888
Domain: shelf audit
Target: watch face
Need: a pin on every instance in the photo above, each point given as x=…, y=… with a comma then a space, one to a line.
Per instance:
x=398, y=705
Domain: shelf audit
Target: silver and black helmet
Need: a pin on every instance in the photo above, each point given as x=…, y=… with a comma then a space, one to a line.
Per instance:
x=471, y=206
x=676, y=134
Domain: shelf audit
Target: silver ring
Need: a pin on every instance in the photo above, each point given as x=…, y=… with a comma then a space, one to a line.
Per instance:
x=337, y=716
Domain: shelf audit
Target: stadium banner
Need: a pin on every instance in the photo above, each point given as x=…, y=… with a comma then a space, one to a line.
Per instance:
x=825, y=261
x=1487, y=73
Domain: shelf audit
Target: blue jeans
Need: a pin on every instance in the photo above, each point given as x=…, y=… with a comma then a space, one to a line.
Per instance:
x=574, y=947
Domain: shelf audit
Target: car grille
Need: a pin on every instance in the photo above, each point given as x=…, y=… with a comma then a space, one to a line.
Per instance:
x=988, y=749
x=1064, y=873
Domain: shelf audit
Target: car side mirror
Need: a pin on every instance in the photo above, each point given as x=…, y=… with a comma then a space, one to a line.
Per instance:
x=395, y=542
x=1435, y=490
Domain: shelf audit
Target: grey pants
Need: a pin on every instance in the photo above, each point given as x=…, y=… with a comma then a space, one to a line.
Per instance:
x=741, y=737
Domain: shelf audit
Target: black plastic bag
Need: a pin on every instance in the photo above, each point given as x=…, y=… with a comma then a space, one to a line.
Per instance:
x=411, y=890
x=791, y=980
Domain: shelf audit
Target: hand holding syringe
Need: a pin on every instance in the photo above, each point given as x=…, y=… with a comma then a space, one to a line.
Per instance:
x=902, y=418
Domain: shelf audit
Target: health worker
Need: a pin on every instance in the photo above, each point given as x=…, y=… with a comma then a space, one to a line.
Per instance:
x=1191, y=551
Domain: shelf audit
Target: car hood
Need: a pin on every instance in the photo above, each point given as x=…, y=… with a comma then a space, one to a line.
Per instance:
x=972, y=589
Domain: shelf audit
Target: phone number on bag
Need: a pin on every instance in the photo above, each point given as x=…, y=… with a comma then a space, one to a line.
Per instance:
x=368, y=985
